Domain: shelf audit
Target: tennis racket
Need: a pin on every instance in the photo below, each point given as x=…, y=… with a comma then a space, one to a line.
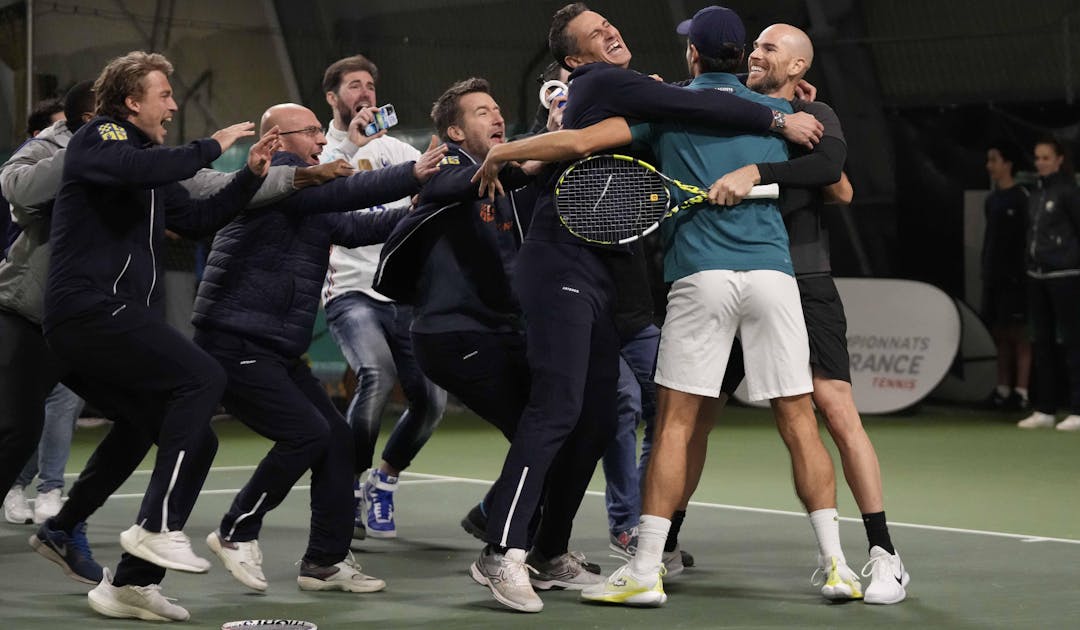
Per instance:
x=275, y=624
x=617, y=199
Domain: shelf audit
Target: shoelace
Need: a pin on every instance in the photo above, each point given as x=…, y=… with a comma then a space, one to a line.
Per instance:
x=178, y=538
x=80, y=542
x=152, y=591
x=252, y=553
x=519, y=572
x=872, y=565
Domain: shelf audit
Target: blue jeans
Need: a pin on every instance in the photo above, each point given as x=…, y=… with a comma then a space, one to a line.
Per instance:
x=636, y=402
x=62, y=409
x=374, y=337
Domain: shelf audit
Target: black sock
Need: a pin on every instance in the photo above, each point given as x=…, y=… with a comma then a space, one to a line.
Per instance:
x=877, y=531
x=673, y=533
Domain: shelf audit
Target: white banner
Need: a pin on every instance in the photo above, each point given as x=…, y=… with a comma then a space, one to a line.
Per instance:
x=902, y=337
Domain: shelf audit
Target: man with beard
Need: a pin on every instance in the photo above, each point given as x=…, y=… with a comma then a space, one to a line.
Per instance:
x=371, y=330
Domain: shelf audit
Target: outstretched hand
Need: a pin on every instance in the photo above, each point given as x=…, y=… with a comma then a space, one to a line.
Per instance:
x=261, y=152
x=316, y=175
x=428, y=164
x=228, y=136
x=803, y=129
x=488, y=176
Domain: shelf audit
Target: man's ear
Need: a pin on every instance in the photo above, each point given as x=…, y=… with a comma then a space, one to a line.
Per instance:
x=455, y=133
x=132, y=104
x=693, y=56
x=798, y=67
x=331, y=100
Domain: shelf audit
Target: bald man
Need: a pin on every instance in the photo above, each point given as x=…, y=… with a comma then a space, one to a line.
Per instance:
x=254, y=313
x=782, y=54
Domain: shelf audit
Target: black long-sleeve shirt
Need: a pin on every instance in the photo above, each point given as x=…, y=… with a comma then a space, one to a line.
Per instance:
x=117, y=196
x=801, y=180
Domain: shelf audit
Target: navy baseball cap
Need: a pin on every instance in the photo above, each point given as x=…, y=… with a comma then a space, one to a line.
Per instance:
x=711, y=28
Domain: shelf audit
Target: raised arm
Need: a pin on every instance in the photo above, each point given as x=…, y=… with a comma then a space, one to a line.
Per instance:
x=192, y=217
x=567, y=144
x=103, y=154
x=355, y=229
x=277, y=185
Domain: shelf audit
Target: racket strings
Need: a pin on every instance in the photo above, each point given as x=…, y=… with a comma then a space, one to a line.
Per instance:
x=608, y=200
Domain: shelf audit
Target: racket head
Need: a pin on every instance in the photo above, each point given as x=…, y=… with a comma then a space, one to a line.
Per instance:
x=269, y=624
x=611, y=199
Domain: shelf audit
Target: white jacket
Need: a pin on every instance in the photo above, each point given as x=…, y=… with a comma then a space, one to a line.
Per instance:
x=354, y=269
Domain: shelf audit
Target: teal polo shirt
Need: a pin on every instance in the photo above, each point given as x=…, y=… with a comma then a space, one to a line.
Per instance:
x=745, y=237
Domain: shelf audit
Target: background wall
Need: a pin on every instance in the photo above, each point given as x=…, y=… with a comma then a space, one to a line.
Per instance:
x=920, y=85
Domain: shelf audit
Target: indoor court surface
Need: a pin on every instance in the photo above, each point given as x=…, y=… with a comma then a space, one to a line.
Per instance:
x=985, y=516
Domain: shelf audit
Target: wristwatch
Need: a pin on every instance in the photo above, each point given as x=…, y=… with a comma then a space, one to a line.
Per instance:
x=779, y=119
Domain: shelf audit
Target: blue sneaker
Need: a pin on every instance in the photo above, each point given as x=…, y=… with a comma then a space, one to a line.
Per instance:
x=359, y=510
x=71, y=552
x=379, y=493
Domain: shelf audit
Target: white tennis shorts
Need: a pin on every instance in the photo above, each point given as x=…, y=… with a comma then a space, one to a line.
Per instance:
x=705, y=312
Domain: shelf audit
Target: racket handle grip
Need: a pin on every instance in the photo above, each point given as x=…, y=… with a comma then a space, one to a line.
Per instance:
x=766, y=191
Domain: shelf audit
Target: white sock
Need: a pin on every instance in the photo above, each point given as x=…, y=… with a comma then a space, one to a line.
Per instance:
x=652, y=534
x=826, y=524
x=1022, y=391
x=1002, y=390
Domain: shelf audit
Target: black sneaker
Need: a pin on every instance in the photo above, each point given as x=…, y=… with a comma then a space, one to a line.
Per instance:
x=997, y=401
x=71, y=552
x=475, y=522
x=1016, y=402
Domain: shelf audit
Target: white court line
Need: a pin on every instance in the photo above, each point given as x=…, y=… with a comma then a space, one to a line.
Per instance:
x=430, y=478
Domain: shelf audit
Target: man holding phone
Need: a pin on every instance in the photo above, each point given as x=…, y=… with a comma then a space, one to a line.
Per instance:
x=372, y=330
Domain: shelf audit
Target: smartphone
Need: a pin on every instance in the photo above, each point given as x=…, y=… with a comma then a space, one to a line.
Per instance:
x=384, y=119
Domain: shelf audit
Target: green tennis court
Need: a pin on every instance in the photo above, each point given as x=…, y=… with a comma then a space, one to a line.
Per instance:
x=986, y=517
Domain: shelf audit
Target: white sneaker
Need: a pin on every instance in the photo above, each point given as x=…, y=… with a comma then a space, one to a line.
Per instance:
x=242, y=559
x=888, y=578
x=1037, y=420
x=47, y=505
x=16, y=508
x=839, y=581
x=507, y=576
x=343, y=576
x=134, y=602
x=624, y=587
x=171, y=550
x=1070, y=423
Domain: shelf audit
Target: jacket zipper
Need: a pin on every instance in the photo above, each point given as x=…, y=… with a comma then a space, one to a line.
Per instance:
x=153, y=257
x=122, y=272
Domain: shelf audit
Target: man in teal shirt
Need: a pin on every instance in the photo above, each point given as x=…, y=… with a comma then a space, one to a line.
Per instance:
x=748, y=236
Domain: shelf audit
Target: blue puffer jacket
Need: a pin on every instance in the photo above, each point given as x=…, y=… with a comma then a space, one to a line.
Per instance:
x=266, y=269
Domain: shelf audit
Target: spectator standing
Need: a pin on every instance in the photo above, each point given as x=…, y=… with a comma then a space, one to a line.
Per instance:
x=1053, y=269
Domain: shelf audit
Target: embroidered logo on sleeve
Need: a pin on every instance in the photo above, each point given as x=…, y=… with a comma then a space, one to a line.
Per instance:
x=112, y=131
x=450, y=160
